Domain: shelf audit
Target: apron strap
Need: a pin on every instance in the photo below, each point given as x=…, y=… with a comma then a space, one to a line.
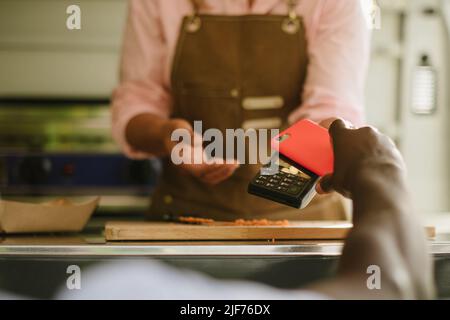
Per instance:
x=196, y=5
x=193, y=22
x=292, y=4
x=290, y=25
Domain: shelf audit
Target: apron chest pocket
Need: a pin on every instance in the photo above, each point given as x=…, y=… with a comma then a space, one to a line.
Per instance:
x=216, y=106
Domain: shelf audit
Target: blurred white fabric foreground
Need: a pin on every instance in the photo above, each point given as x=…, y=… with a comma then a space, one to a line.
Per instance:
x=154, y=280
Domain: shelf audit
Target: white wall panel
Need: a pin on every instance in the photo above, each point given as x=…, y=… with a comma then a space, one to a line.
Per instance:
x=425, y=138
x=39, y=56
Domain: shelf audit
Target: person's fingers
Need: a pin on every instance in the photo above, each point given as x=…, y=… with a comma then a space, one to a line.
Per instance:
x=217, y=177
x=202, y=170
x=327, y=122
x=197, y=139
x=197, y=169
x=337, y=126
x=219, y=174
x=232, y=162
x=325, y=184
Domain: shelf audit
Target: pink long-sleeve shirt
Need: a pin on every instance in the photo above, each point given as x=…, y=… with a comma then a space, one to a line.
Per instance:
x=338, y=49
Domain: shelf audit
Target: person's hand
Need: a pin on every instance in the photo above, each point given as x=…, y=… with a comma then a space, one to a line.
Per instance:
x=209, y=171
x=354, y=150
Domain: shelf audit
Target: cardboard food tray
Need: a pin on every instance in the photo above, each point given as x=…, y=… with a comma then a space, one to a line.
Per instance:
x=55, y=216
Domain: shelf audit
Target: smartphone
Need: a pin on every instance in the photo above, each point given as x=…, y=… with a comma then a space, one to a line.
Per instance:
x=305, y=154
x=307, y=145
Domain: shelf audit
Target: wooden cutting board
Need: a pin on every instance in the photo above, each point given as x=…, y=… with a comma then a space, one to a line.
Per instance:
x=177, y=231
x=310, y=230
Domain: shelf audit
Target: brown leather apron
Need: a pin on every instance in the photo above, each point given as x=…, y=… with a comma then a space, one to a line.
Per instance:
x=236, y=72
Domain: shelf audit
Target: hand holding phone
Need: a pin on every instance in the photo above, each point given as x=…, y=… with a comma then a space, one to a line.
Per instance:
x=305, y=154
x=306, y=145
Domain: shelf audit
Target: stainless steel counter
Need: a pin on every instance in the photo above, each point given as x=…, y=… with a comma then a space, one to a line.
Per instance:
x=190, y=249
x=267, y=262
x=180, y=249
x=94, y=245
x=91, y=243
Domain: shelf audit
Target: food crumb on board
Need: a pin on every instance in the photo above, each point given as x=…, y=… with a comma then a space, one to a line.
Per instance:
x=237, y=222
x=193, y=220
x=261, y=222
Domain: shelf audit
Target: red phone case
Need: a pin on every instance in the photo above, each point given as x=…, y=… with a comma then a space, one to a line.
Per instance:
x=308, y=145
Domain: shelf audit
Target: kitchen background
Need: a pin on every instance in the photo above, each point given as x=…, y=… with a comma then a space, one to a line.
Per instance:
x=55, y=85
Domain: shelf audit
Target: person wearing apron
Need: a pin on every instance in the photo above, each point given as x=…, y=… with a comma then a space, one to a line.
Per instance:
x=232, y=71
